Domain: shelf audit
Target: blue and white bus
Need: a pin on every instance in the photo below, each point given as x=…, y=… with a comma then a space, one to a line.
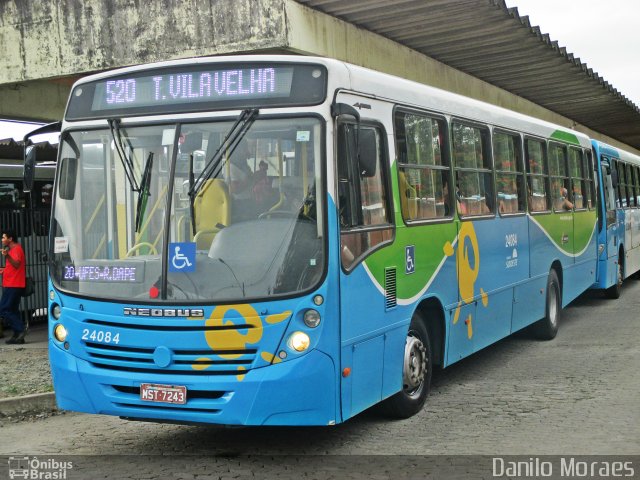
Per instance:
x=619, y=219
x=280, y=240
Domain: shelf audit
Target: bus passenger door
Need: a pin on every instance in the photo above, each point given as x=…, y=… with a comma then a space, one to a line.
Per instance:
x=365, y=228
x=610, y=186
x=610, y=183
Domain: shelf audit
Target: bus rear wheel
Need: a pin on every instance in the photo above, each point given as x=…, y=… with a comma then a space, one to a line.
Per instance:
x=613, y=292
x=416, y=372
x=547, y=328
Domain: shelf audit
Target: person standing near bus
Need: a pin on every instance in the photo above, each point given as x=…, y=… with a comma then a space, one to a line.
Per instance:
x=13, y=283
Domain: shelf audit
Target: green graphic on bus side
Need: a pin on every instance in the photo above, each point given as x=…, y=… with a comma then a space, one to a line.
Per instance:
x=570, y=232
x=565, y=137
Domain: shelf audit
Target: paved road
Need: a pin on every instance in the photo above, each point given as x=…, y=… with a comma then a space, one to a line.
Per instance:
x=578, y=394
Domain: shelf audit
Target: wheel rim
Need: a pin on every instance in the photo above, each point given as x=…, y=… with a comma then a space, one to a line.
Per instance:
x=553, y=305
x=619, y=275
x=415, y=365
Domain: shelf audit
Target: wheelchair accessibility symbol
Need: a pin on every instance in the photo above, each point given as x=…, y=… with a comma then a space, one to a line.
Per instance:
x=409, y=259
x=182, y=257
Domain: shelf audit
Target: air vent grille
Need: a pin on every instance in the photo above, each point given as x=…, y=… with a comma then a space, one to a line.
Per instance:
x=390, y=288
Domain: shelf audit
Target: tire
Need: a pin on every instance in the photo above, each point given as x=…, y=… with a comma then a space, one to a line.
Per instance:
x=416, y=373
x=547, y=328
x=614, y=291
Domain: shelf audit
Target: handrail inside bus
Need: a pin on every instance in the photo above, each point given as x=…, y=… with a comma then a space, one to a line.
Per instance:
x=94, y=215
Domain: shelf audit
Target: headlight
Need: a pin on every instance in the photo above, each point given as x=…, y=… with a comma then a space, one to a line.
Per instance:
x=60, y=332
x=311, y=318
x=56, y=311
x=299, y=341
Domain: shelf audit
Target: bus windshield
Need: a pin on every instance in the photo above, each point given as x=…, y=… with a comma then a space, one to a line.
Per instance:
x=135, y=218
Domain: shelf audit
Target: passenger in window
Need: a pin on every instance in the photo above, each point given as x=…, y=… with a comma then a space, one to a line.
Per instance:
x=445, y=196
x=461, y=204
x=240, y=172
x=262, y=190
x=566, y=204
x=471, y=206
x=240, y=184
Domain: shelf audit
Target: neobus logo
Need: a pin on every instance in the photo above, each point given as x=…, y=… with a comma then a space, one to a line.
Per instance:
x=164, y=312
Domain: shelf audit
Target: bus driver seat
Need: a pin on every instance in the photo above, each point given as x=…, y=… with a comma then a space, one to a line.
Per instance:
x=212, y=211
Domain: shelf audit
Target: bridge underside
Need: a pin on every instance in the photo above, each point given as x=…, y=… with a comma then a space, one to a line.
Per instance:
x=45, y=46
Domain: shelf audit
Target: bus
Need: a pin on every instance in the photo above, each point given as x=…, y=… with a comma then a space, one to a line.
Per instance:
x=28, y=215
x=619, y=219
x=287, y=240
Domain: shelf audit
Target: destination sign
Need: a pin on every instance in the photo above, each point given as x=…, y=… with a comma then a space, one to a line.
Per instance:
x=104, y=273
x=182, y=89
x=193, y=87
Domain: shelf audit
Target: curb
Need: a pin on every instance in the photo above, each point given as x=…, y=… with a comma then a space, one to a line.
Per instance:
x=28, y=404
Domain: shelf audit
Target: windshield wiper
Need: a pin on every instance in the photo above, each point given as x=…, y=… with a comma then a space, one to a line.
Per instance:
x=145, y=191
x=127, y=163
x=213, y=166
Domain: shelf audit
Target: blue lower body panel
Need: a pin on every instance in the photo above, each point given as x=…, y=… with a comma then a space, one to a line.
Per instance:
x=295, y=392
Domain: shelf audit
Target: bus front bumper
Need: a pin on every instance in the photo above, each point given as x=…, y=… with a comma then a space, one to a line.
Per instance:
x=296, y=392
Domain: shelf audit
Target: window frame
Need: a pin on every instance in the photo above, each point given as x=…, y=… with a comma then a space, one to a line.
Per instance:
x=621, y=183
x=487, y=151
x=592, y=178
x=583, y=180
x=445, y=152
x=637, y=184
x=631, y=189
x=544, y=176
x=564, y=179
x=520, y=173
x=385, y=174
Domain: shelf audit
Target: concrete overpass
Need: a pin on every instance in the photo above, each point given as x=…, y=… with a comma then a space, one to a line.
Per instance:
x=46, y=45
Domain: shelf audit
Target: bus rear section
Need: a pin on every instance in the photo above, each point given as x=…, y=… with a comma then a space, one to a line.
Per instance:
x=619, y=217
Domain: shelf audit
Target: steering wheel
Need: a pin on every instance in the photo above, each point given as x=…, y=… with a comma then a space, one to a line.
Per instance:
x=278, y=213
x=138, y=246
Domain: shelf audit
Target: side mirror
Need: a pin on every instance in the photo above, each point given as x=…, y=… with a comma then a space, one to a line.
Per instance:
x=28, y=172
x=29, y=169
x=338, y=109
x=368, y=152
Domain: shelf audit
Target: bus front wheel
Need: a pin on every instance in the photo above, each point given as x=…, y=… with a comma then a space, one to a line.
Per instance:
x=547, y=328
x=416, y=372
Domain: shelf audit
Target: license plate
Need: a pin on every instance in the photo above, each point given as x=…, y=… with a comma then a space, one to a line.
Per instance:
x=151, y=392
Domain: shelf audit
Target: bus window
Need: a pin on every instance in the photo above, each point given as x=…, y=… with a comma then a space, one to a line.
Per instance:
x=588, y=171
x=509, y=174
x=11, y=196
x=471, y=153
x=536, y=177
x=637, y=186
x=423, y=167
x=631, y=196
x=560, y=189
x=578, y=180
x=621, y=197
x=365, y=218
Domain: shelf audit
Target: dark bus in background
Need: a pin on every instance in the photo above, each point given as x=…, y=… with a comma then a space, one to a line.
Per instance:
x=28, y=215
